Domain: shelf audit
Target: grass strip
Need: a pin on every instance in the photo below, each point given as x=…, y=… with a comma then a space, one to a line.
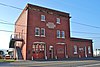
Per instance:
x=7, y=60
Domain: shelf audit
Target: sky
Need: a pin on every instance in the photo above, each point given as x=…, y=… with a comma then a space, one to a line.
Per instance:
x=84, y=22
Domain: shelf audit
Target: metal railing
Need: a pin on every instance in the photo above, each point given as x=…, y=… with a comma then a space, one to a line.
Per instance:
x=16, y=36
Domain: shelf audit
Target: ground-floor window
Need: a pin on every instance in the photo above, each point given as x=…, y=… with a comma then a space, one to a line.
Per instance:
x=89, y=49
x=38, y=47
x=38, y=51
x=75, y=49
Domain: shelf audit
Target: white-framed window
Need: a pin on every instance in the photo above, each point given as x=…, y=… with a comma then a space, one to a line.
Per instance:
x=75, y=49
x=89, y=49
x=42, y=32
x=58, y=21
x=37, y=31
x=63, y=34
x=42, y=17
x=58, y=33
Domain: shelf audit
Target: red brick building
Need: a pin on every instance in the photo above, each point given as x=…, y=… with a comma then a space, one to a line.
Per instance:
x=42, y=33
x=80, y=48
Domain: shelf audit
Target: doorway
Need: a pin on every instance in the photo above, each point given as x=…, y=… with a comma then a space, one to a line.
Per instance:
x=51, y=50
x=81, y=52
x=38, y=51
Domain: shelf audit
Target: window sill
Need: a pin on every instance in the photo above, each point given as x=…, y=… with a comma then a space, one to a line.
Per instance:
x=42, y=20
x=37, y=35
x=57, y=22
x=75, y=52
x=58, y=37
x=42, y=36
x=63, y=37
x=89, y=53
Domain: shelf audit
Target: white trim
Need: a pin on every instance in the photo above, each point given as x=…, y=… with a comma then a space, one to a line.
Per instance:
x=75, y=52
x=85, y=51
x=39, y=42
x=60, y=43
x=45, y=53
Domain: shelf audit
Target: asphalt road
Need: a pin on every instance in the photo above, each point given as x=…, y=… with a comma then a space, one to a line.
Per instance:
x=82, y=63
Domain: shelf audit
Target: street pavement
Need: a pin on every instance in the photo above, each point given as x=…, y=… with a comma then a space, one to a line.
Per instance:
x=65, y=63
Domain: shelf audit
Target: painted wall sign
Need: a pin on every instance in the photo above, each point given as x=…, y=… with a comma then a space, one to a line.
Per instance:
x=51, y=25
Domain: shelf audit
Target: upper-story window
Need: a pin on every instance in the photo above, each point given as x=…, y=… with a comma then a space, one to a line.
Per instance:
x=75, y=49
x=63, y=34
x=58, y=33
x=37, y=31
x=89, y=49
x=42, y=32
x=58, y=21
x=42, y=17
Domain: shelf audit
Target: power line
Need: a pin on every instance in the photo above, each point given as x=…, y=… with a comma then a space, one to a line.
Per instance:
x=85, y=32
x=11, y=6
x=85, y=24
x=25, y=26
x=6, y=31
x=31, y=25
x=12, y=24
x=71, y=21
x=3, y=22
x=32, y=34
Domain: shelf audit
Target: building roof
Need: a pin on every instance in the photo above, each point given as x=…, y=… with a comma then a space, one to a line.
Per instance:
x=47, y=9
x=80, y=39
x=44, y=9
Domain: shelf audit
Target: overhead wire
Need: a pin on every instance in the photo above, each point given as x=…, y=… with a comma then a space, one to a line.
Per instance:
x=32, y=34
x=11, y=6
x=71, y=21
x=85, y=24
x=25, y=26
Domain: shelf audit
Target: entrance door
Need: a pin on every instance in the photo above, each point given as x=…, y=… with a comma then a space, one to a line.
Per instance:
x=81, y=52
x=51, y=52
x=60, y=51
x=38, y=51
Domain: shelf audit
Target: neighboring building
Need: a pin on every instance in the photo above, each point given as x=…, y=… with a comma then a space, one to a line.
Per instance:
x=96, y=53
x=80, y=48
x=42, y=33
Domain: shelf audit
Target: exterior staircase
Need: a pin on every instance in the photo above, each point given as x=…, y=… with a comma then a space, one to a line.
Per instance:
x=19, y=53
x=13, y=39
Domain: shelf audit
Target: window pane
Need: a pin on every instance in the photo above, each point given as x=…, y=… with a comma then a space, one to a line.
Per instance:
x=42, y=32
x=33, y=46
x=58, y=33
x=58, y=20
x=75, y=49
x=37, y=31
x=89, y=49
x=63, y=34
x=42, y=17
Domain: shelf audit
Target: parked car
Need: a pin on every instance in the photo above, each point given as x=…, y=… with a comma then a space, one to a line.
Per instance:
x=1, y=54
